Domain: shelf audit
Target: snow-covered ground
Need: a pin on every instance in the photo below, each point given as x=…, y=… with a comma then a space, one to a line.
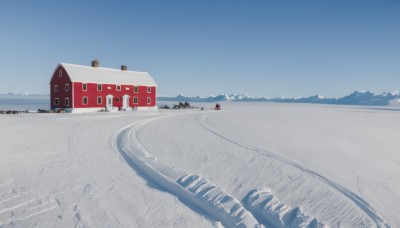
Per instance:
x=278, y=165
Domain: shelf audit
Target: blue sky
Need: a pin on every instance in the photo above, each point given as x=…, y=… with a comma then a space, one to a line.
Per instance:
x=262, y=48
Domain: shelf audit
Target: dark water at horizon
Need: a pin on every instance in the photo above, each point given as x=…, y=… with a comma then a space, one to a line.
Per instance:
x=21, y=103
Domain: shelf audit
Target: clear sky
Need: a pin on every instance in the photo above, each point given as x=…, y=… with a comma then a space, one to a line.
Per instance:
x=263, y=47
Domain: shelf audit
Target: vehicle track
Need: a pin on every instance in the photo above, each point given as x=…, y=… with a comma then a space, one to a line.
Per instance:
x=194, y=190
x=360, y=202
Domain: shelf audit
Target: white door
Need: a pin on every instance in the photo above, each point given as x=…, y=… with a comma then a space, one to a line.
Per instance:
x=125, y=102
x=109, y=102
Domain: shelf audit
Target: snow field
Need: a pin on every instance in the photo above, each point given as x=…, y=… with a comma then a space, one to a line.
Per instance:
x=192, y=189
x=241, y=159
x=67, y=164
x=361, y=203
x=328, y=165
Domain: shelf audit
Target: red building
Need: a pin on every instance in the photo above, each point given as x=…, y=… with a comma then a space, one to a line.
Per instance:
x=77, y=88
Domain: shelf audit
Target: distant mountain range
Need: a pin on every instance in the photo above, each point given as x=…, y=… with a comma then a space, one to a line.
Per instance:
x=356, y=98
x=25, y=94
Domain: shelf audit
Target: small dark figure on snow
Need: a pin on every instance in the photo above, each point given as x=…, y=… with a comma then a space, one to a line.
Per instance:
x=217, y=107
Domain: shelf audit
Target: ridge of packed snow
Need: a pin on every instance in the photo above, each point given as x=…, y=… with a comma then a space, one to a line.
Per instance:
x=272, y=213
x=355, y=98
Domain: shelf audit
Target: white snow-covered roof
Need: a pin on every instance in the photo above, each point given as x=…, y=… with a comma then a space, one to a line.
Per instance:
x=78, y=73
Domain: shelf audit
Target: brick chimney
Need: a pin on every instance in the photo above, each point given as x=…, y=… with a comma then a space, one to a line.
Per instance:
x=95, y=63
x=124, y=68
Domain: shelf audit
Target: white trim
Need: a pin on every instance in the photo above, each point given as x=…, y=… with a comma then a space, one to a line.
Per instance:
x=137, y=100
x=125, y=102
x=96, y=82
x=116, y=87
x=66, y=87
x=65, y=102
x=83, y=100
x=101, y=87
x=135, y=89
x=148, y=100
x=148, y=89
x=83, y=86
x=55, y=88
x=109, y=106
x=73, y=95
x=60, y=73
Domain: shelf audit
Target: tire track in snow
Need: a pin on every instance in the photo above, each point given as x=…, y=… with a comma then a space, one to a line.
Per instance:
x=194, y=190
x=360, y=202
x=272, y=213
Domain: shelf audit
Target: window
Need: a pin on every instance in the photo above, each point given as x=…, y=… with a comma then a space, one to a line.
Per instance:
x=60, y=73
x=135, y=89
x=148, y=89
x=99, y=87
x=84, y=87
x=84, y=100
x=118, y=88
x=135, y=100
x=117, y=100
x=55, y=88
x=66, y=87
x=67, y=101
x=56, y=101
x=148, y=100
x=99, y=100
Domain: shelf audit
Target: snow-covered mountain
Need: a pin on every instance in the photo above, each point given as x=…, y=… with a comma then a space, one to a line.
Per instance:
x=24, y=94
x=356, y=98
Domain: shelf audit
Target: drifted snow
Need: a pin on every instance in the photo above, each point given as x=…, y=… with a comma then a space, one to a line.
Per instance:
x=288, y=165
x=273, y=213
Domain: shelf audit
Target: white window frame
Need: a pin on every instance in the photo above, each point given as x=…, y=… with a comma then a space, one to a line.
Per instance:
x=148, y=100
x=67, y=101
x=84, y=86
x=66, y=87
x=101, y=100
x=136, y=89
x=56, y=101
x=101, y=87
x=148, y=89
x=135, y=99
x=83, y=100
x=56, y=88
x=118, y=89
x=60, y=73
